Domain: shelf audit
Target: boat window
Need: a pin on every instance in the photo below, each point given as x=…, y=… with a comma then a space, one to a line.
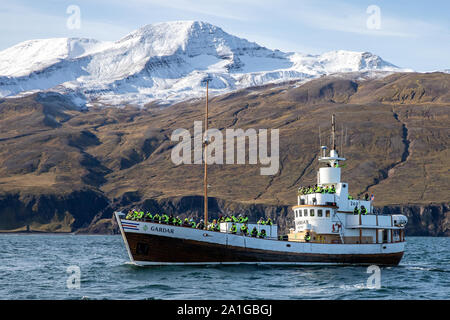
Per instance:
x=311, y=212
x=319, y=212
x=299, y=213
x=327, y=213
x=305, y=213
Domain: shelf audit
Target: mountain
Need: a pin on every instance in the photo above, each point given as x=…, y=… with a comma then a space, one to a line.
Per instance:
x=63, y=169
x=163, y=63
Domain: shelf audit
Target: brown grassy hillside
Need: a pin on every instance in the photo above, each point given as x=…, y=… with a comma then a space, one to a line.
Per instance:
x=396, y=141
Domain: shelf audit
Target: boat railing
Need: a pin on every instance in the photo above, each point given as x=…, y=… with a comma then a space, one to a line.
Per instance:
x=318, y=199
x=225, y=227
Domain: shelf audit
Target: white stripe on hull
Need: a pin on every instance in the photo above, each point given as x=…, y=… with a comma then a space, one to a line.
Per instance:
x=149, y=263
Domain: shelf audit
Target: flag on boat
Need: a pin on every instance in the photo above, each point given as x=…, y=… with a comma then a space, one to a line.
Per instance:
x=130, y=225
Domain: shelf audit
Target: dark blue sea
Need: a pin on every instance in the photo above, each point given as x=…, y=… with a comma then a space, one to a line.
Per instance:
x=49, y=267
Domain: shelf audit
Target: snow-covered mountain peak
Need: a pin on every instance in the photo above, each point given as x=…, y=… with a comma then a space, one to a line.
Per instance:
x=159, y=39
x=186, y=37
x=34, y=55
x=165, y=62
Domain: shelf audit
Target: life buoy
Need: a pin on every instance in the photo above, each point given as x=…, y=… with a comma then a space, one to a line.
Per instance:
x=336, y=227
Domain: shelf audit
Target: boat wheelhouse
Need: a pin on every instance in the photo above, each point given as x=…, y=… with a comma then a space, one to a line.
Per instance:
x=335, y=217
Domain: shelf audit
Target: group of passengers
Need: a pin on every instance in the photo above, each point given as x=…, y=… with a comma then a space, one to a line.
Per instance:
x=211, y=226
x=324, y=190
x=361, y=210
x=316, y=189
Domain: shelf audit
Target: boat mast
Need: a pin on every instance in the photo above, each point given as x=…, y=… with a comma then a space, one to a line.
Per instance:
x=205, y=182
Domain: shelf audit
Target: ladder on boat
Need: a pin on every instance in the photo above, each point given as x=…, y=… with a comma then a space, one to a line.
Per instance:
x=341, y=230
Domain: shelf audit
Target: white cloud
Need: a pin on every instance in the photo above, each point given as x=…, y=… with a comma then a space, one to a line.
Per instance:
x=22, y=23
x=351, y=19
x=230, y=9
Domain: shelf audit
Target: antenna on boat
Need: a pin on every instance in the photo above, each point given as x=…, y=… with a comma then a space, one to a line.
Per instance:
x=320, y=139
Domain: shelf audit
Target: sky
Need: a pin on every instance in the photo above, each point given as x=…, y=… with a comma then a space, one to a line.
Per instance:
x=410, y=34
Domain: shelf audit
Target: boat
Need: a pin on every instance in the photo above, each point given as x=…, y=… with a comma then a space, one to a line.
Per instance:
x=330, y=227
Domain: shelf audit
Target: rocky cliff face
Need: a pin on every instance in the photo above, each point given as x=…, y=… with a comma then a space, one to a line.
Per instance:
x=66, y=170
x=50, y=212
x=423, y=220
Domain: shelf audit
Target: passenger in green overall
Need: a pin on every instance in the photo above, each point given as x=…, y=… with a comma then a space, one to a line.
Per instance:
x=157, y=218
x=244, y=230
x=129, y=215
x=165, y=219
x=243, y=219
x=307, y=237
x=201, y=225
x=262, y=234
x=213, y=226
x=333, y=189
